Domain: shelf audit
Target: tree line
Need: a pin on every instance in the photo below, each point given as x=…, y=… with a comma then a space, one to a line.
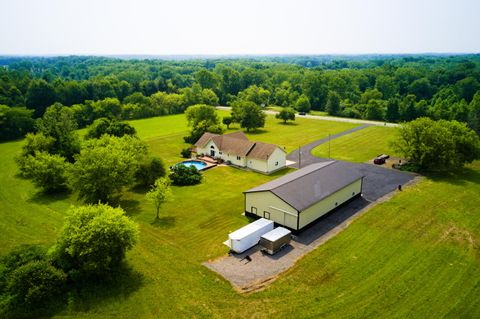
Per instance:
x=390, y=88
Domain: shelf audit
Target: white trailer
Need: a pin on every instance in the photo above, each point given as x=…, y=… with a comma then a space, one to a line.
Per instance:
x=249, y=235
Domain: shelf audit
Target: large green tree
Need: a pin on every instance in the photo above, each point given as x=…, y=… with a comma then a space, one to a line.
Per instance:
x=437, y=145
x=202, y=118
x=93, y=241
x=106, y=165
x=248, y=114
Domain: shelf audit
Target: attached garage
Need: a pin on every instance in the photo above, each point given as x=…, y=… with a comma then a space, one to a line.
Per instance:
x=298, y=199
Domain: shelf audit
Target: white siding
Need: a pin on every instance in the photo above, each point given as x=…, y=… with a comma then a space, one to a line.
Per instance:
x=327, y=204
x=242, y=162
x=257, y=164
x=279, y=211
x=277, y=160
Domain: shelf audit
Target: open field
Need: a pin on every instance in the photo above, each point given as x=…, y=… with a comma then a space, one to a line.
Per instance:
x=416, y=255
x=360, y=146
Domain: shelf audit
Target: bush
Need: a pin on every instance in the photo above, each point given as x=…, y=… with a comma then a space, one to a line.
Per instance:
x=186, y=152
x=34, y=283
x=46, y=171
x=182, y=175
x=150, y=170
x=94, y=241
x=17, y=258
x=104, y=125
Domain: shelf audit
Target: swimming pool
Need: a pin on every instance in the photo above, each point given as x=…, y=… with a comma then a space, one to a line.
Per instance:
x=197, y=164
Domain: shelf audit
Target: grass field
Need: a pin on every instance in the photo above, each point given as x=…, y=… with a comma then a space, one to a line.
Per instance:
x=416, y=255
x=360, y=146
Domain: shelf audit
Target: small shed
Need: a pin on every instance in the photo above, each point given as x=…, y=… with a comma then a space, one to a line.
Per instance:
x=275, y=240
x=249, y=235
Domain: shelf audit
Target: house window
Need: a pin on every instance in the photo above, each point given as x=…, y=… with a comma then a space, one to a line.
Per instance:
x=276, y=163
x=266, y=214
x=336, y=204
x=353, y=194
x=212, y=146
x=238, y=158
x=254, y=210
x=220, y=153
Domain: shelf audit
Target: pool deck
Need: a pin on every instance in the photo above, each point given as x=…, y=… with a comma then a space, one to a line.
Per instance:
x=208, y=160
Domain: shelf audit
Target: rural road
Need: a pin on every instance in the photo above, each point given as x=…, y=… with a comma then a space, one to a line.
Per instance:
x=326, y=118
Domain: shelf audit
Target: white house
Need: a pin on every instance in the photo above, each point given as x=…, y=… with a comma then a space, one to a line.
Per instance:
x=235, y=148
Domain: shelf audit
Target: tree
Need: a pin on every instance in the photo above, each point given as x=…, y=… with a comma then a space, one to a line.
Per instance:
x=227, y=120
x=108, y=107
x=59, y=123
x=255, y=94
x=104, y=125
x=40, y=94
x=375, y=110
x=149, y=170
x=393, y=114
x=46, y=171
x=474, y=113
x=437, y=145
x=303, y=104
x=106, y=165
x=93, y=241
x=34, y=283
x=286, y=114
x=333, y=103
x=201, y=118
x=248, y=114
x=160, y=193
x=15, y=122
x=182, y=175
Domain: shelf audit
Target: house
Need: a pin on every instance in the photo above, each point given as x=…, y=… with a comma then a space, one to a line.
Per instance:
x=297, y=199
x=236, y=149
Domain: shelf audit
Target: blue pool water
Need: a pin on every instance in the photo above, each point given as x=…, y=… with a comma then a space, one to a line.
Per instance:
x=198, y=164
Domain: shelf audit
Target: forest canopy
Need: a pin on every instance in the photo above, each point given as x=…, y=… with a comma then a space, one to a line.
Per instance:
x=394, y=88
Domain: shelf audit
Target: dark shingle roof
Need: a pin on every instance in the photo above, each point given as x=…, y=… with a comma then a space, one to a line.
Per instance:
x=309, y=185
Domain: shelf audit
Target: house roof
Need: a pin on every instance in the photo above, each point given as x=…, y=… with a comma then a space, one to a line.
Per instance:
x=238, y=144
x=309, y=185
x=262, y=150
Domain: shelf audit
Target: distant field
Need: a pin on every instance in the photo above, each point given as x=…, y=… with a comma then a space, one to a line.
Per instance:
x=293, y=134
x=415, y=256
x=360, y=146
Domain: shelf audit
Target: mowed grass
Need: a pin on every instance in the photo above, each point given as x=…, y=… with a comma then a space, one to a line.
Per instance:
x=359, y=146
x=416, y=255
x=293, y=134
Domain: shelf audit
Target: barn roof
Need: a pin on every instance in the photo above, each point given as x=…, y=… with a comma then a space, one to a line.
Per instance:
x=307, y=186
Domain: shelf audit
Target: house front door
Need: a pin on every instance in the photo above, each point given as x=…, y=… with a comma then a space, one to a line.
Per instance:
x=212, y=153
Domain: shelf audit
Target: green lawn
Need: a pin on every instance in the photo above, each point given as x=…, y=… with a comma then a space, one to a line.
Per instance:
x=360, y=146
x=416, y=255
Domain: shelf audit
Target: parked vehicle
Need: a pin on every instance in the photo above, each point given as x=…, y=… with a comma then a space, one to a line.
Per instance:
x=380, y=159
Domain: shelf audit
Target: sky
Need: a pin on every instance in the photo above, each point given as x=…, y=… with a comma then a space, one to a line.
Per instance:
x=223, y=27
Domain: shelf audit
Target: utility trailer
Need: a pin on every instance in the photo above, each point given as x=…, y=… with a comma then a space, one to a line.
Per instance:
x=275, y=240
x=249, y=235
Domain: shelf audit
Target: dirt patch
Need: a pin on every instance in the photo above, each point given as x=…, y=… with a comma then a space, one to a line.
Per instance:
x=460, y=236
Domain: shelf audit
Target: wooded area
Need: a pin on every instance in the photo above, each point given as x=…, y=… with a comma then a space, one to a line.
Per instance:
x=391, y=88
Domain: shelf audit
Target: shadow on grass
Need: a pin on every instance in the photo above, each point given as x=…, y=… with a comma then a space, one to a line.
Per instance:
x=288, y=123
x=130, y=206
x=123, y=282
x=257, y=132
x=459, y=177
x=41, y=197
x=140, y=189
x=164, y=222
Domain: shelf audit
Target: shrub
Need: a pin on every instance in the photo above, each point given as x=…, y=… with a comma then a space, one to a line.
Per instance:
x=150, y=170
x=186, y=152
x=94, y=241
x=34, y=283
x=46, y=171
x=182, y=175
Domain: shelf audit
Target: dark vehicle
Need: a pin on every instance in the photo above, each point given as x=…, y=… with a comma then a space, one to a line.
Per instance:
x=302, y=113
x=380, y=159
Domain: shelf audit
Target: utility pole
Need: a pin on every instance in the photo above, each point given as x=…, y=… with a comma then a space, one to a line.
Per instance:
x=299, y=157
x=329, y=146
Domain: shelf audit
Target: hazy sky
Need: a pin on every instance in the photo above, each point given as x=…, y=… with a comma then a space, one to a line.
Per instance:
x=238, y=27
